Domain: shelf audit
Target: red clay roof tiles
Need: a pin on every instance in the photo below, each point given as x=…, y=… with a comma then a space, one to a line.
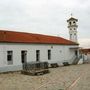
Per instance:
x=21, y=37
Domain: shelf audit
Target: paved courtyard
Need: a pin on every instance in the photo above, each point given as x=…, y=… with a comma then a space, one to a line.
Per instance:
x=74, y=77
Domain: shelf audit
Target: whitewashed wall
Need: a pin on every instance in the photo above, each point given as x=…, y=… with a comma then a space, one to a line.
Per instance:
x=59, y=53
x=88, y=57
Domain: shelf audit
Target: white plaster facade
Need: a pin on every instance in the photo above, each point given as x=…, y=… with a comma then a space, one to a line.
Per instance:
x=59, y=54
x=88, y=57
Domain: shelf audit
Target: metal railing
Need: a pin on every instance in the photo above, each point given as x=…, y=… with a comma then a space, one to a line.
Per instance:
x=76, y=60
x=35, y=68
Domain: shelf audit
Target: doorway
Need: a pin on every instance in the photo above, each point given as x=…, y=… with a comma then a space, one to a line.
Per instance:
x=76, y=52
x=23, y=56
x=37, y=55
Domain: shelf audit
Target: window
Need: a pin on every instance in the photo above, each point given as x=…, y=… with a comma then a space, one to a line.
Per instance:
x=70, y=23
x=10, y=57
x=75, y=34
x=74, y=29
x=70, y=36
x=49, y=54
x=37, y=55
x=74, y=22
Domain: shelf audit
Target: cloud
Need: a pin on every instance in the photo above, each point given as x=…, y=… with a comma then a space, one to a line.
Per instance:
x=45, y=16
x=84, y=42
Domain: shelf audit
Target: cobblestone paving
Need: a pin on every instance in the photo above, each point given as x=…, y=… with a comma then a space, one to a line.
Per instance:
x=74, y=77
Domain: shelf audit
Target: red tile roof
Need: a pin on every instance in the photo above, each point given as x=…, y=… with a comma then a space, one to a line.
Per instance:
x=21, y=37
x=85, y=50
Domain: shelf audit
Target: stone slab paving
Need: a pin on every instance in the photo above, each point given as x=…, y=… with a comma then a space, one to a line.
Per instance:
x=74, y=77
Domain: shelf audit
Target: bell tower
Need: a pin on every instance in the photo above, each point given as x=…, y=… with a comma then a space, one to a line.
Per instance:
x=72, y=26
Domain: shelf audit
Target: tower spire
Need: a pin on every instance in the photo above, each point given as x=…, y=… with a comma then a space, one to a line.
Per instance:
x=72, y=26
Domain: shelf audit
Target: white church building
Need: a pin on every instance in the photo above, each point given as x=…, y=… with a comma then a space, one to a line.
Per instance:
x=19, y=47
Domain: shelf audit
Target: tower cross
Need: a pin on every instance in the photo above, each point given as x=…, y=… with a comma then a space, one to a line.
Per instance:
x=71, y=14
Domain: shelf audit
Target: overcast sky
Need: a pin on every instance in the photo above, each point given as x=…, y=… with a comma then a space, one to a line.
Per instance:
x=46, y=17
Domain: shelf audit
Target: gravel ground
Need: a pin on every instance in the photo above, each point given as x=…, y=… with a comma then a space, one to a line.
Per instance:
x=74, y=77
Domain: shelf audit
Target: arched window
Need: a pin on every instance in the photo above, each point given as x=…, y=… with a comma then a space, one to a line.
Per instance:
x=74, y=28
x=74, y=22
x=70, y=35
x=70, y=23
